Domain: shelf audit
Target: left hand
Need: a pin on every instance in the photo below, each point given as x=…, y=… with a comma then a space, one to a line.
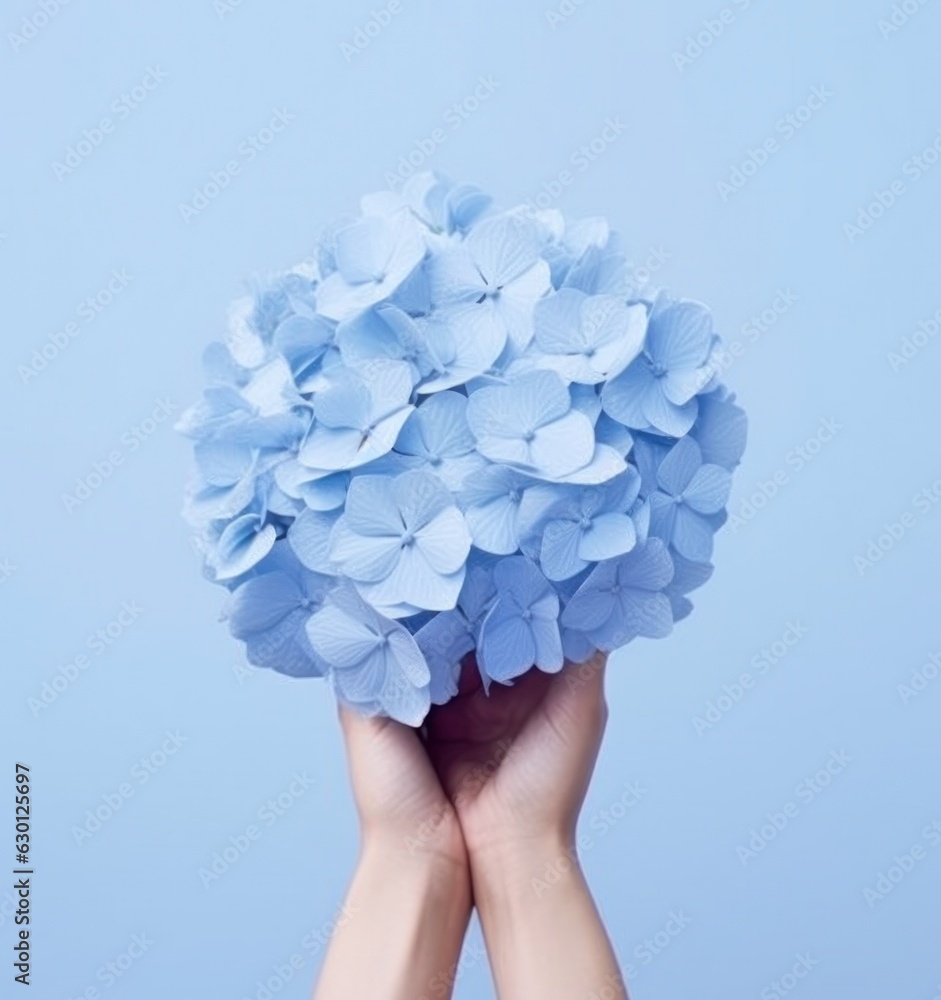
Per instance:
x=403, y=809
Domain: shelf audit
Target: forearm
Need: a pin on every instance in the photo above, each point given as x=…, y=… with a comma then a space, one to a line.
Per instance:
x=544, y=935
x=408, y=920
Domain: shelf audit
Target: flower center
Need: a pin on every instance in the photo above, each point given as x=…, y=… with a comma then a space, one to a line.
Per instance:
x=679, y=498
x=435, y=460
x=529, y=436
x=585, y=522
x=657, y=369
x=407, y=539
x=616, y=589
x=527, y=615
x=515, y=496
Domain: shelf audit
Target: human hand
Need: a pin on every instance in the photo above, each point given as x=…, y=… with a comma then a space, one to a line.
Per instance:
x=402, y=806
x=516, y=763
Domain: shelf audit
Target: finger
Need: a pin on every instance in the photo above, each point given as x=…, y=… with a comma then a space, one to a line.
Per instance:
x=578, y=691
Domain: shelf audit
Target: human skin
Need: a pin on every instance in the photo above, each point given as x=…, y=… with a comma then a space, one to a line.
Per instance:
x=473, y=808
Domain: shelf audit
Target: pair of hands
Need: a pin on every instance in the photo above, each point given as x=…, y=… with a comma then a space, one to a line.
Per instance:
x=468, y=812
x=488, y=776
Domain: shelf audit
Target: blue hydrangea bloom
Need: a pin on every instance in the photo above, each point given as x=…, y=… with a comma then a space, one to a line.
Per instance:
x=403, y=541
x=269, y=611
x=521, y=629
x=451, y=635
x=375, y=662
x=530, y=425
x=659, y=389
x=689, y=492
x=358, y=415
x=373, y=258
x=589, y=526
x=458, y=429
x=588, y=338
x=623, y=599
x=437, y=434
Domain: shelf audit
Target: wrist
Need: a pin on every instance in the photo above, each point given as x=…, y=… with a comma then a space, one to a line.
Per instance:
x=524, y=867
x=440, y=853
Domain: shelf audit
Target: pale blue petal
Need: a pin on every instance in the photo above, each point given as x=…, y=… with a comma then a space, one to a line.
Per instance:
x=223, y=463
x=507, y=648
x=260, y=603
x=340, y=639
x=623, y=397
x=680, y=335
x=445, y=541
x=679, y=466
x=558, y=554
x=503, y=248
x=242, y=545
x=708, y=491
x=721, y=430
x=558, y=320
x=494, y=526
x=610, y=535
x=372, y=506
x=472, y=338
x=420, y=497
x=363, y=558
x=548, y=643
x=666, y=416
x=309, y=538
x=565, y=446
x=692, y=535
x=605, y=464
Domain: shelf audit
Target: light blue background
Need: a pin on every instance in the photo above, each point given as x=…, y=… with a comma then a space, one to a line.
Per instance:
x=175, y=668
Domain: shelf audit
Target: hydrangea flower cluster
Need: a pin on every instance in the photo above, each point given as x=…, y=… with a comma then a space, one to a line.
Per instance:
x=458, y=429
